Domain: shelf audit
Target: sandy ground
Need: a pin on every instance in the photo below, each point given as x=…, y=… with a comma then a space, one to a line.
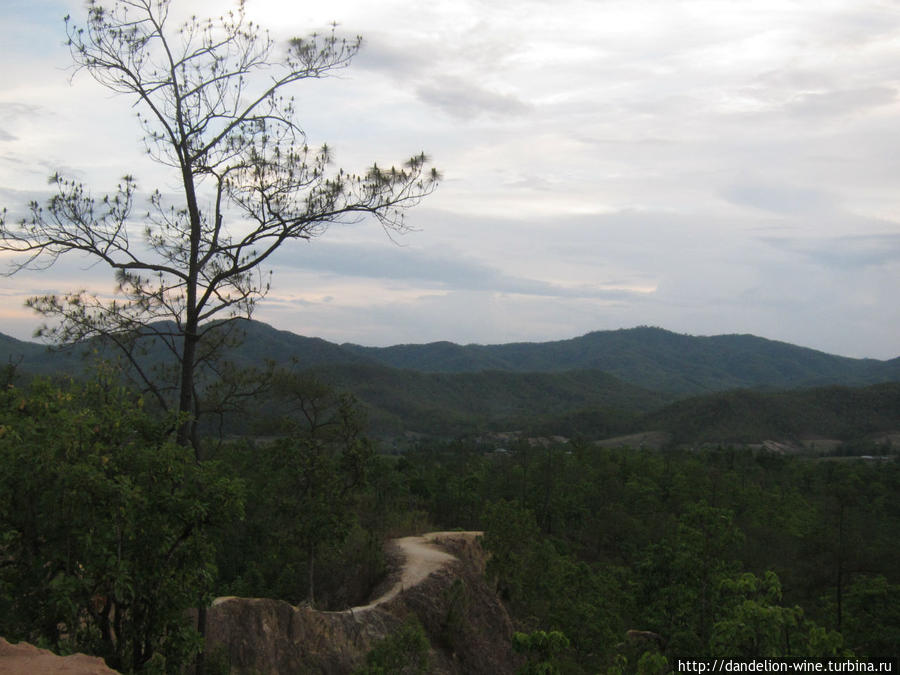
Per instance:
x=24, y=659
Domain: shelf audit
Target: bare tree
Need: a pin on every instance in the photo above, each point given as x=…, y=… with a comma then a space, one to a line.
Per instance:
x=214, y=107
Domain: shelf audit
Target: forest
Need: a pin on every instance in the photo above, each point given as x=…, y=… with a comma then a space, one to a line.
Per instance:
x=111, y=531
x=173, y=451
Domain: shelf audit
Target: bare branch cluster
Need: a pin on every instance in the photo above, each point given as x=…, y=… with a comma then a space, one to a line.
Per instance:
x=213, y=105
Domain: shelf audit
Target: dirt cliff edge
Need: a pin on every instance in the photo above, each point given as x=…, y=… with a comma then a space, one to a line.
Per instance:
x=441, y=581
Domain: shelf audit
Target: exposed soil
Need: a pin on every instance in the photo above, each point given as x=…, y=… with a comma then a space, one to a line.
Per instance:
x=421, y=557
x=25, y=659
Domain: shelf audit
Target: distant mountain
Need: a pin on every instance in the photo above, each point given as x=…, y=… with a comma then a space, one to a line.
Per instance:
x=36, y=358
x=10, y=347
x=260, y=342
x=396, y=400
x=652, y=358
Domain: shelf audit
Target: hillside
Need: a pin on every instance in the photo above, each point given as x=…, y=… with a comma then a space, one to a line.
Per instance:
x=742, y=416
x=34, y=358
x=861, y=416
x=652, y=358
x=259, y=342
x=462, y=403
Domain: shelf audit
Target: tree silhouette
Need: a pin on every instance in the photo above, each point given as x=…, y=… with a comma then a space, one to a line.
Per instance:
x=214, y=107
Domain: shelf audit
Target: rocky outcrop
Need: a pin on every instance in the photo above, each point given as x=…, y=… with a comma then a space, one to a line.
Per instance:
x=26, y=659
x=440, y=580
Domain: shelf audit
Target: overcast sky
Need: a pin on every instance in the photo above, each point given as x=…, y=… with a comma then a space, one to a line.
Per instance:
x=704, y=166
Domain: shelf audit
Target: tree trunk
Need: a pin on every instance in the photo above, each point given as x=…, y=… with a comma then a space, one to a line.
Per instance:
x=186, y=403
x=311, y=574
x=200, y=661
x=839, y=589
x=186, y=389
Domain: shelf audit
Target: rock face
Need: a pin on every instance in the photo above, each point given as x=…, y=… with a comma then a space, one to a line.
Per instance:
x=440, y=581
x=25, y=659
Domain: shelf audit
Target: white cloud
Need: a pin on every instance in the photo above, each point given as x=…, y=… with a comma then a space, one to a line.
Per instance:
x=709, y=167
x=465, y=99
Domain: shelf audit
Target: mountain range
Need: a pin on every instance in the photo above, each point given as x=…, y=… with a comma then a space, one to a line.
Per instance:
x=652, y=358
x=601, y=384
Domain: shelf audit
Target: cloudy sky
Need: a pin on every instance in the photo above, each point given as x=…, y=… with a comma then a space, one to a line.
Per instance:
x=706, y=166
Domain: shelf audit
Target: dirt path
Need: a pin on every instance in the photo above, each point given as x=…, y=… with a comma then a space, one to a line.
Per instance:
x=422, y=557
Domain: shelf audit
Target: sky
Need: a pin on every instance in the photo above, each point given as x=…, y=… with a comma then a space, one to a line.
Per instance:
x=706, y=166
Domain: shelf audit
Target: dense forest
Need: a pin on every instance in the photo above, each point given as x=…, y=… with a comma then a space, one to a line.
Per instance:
x=623, y=559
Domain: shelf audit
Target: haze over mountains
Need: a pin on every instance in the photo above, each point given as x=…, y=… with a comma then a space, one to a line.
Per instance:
x=653, y=358
x=600, y=384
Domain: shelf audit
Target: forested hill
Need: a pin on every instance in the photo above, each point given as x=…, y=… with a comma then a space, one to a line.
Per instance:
x=260, y=343
x=456, y=404
x=650, y=358
x=13, y=351
x=743, y=416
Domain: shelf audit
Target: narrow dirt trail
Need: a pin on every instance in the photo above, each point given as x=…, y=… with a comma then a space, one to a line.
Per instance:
x=421, y=557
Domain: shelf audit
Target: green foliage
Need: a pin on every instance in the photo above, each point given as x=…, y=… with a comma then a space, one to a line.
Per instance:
x=511, y=535
x=649, y=662
x=652, y=663
x=679, y=577
x=547, y=587
x=541, y=648
x=872, y=623
x=753, y=624
x=303, y=487
x=643, y=662
x=102, y=523
x=722, y=550
x=403, y=652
